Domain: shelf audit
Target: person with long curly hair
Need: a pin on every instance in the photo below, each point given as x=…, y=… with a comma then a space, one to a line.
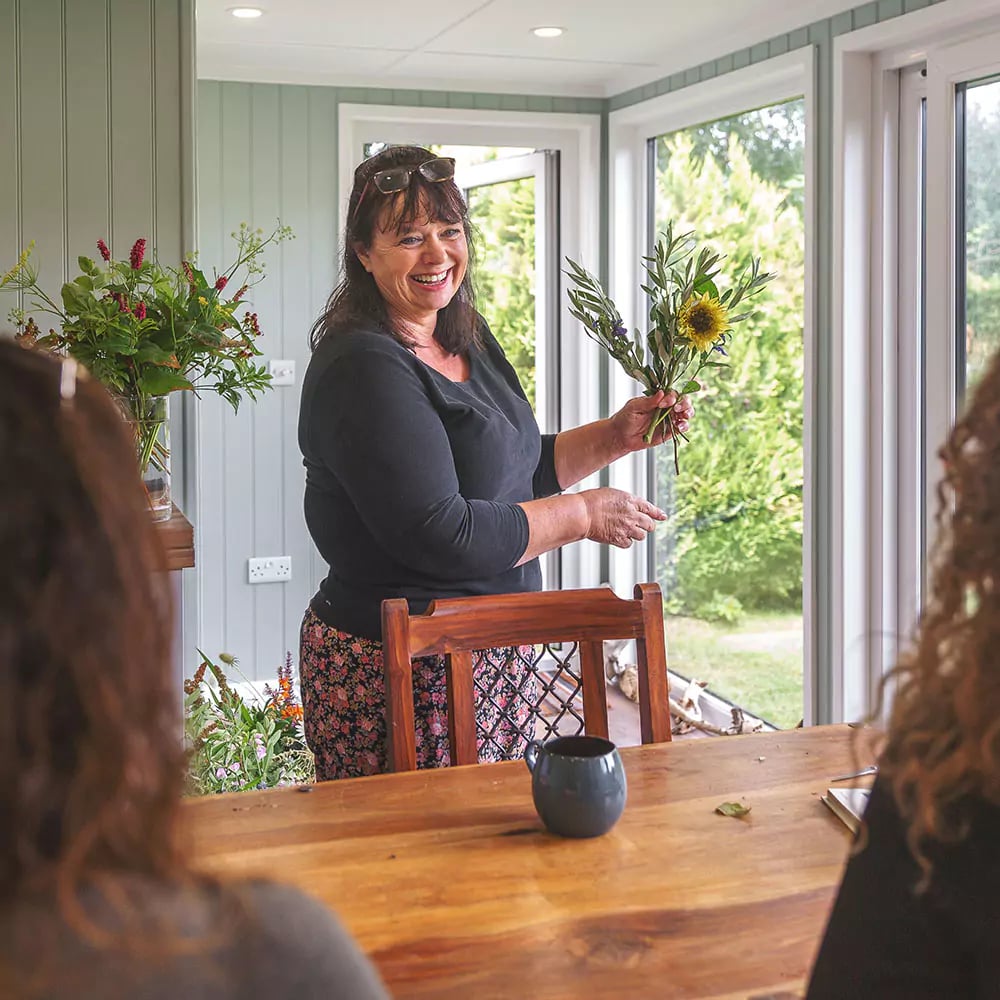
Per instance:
x=97, y=896
x=918, y=911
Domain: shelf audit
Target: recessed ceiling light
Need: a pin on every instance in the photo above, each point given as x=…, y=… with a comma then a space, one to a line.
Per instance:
x=245, y=12
x=547, y=32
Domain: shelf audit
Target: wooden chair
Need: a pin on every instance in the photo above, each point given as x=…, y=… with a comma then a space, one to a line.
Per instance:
x=454, y=627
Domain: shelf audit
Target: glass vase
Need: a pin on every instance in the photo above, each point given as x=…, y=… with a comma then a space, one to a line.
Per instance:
x=149, y=419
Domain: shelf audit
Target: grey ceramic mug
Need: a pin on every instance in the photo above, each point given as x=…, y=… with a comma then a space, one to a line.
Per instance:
x=578, y=784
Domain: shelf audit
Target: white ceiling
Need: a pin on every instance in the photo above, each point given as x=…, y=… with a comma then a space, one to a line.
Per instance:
x=486, y=45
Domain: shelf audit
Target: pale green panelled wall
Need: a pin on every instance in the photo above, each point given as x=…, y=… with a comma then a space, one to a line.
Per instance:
x=97, y=142
x=96, y=128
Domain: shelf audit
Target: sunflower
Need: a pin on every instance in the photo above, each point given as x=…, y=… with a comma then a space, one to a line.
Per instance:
x=702, y=320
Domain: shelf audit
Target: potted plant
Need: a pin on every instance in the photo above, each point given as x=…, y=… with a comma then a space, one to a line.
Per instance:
x=146, y=330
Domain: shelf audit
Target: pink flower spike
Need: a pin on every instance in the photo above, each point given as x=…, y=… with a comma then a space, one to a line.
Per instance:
x=138, y=252
x=103, y=247
x=140, y=310
x=221, y=282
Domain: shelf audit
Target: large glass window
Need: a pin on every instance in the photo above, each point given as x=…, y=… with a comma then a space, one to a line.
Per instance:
x=978, y=127
x=729, y=559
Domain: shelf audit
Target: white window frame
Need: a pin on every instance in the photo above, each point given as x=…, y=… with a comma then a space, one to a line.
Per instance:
x=876, y=438
x=539, y=166
x=769, y=82
x=514, y=168
x=577, y=138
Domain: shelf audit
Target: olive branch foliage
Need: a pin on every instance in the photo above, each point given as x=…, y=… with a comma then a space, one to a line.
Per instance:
x=666, y=356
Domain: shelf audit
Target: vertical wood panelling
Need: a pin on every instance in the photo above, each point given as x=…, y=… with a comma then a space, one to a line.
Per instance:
x=296, y=317
x=88, y=181
x=323, y=226
x=168, y=148
x=42, y=194
x=267, y=536
x=93, y=131
x=237, y=527
x=132, y=171
x=210, y=447
x=265, y=152
x=77, y=79
x=10, y=175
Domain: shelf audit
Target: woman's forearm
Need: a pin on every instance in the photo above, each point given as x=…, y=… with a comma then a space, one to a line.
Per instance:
x=554, y=521
x=584, y=450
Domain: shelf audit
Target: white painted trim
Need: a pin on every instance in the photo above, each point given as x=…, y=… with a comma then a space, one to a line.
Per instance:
x=765, y=83
x=874, y=429
x=851, y=500
x=740, y=90
x=902, y=41
x=577, y=138
x=905, y=591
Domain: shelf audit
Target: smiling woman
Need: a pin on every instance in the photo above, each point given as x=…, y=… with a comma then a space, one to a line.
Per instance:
x=426, y=474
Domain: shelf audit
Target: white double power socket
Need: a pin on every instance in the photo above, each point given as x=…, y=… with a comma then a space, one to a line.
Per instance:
x=269, y=569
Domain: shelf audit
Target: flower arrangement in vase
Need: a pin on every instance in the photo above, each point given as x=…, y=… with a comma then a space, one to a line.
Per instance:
x=146, y=330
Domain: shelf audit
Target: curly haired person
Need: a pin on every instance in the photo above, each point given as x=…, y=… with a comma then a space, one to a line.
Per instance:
x=918, y=911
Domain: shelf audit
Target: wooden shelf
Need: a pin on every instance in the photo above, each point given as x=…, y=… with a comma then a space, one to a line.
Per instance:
x=177, y=535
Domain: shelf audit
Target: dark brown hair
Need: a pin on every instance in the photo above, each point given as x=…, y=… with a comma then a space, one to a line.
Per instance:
x=942, y=751
x=357, y=300
x=91, y=758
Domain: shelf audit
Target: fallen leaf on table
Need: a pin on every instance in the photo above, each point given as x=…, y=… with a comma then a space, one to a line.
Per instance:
x=735, y=809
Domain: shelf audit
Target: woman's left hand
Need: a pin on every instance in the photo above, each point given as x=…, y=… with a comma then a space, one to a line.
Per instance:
x=632, y=421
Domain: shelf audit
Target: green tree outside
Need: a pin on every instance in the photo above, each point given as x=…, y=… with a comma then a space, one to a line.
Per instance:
x=734, y=540
x=504, y=217
x=982, y=227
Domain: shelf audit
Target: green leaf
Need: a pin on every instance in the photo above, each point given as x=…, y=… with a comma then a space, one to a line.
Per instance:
x=690, y=387
x=734, y=809
x=76, y=301
x=160, y=381
x=154, y=354
x=706, y=285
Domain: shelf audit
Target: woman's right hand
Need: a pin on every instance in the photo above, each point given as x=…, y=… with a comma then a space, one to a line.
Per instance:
x=618, y=518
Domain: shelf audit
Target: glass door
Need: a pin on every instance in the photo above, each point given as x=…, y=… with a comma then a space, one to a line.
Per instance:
x=963, y=244
x=730, y=558
x=513, y=204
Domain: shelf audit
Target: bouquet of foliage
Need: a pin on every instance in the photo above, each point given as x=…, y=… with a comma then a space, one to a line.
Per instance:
x=234, y=746
x=690, y=320
x=145, y=330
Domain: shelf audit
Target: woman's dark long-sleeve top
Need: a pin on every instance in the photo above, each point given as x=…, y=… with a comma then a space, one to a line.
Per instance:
x=412, y=480
x=886, y=941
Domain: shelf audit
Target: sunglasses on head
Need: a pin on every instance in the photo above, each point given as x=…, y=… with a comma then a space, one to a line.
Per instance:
x=394, y=179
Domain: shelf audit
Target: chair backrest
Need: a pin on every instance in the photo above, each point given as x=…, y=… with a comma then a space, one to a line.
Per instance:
x=454, y=627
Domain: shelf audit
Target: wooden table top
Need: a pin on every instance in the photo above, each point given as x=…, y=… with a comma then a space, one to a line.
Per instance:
x=452, y=887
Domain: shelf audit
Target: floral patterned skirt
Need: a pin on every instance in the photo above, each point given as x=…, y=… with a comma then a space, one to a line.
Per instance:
x=343, y=698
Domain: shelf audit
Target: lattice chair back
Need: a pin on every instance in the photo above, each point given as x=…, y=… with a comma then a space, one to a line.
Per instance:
x=455, y=627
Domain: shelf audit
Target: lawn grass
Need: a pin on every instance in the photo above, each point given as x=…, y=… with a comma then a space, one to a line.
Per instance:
x=756, y=664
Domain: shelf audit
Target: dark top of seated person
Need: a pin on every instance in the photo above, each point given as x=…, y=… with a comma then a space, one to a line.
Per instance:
x=918, y=911
x=97, y=898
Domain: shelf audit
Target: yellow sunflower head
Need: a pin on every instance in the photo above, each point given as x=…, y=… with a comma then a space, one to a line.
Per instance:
x=702, y=320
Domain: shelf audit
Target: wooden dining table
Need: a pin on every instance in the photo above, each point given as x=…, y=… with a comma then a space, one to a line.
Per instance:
x=451, y=885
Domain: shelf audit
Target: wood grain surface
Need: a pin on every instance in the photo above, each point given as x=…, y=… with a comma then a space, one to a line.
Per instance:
x=451, y=885
x=177, y=537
